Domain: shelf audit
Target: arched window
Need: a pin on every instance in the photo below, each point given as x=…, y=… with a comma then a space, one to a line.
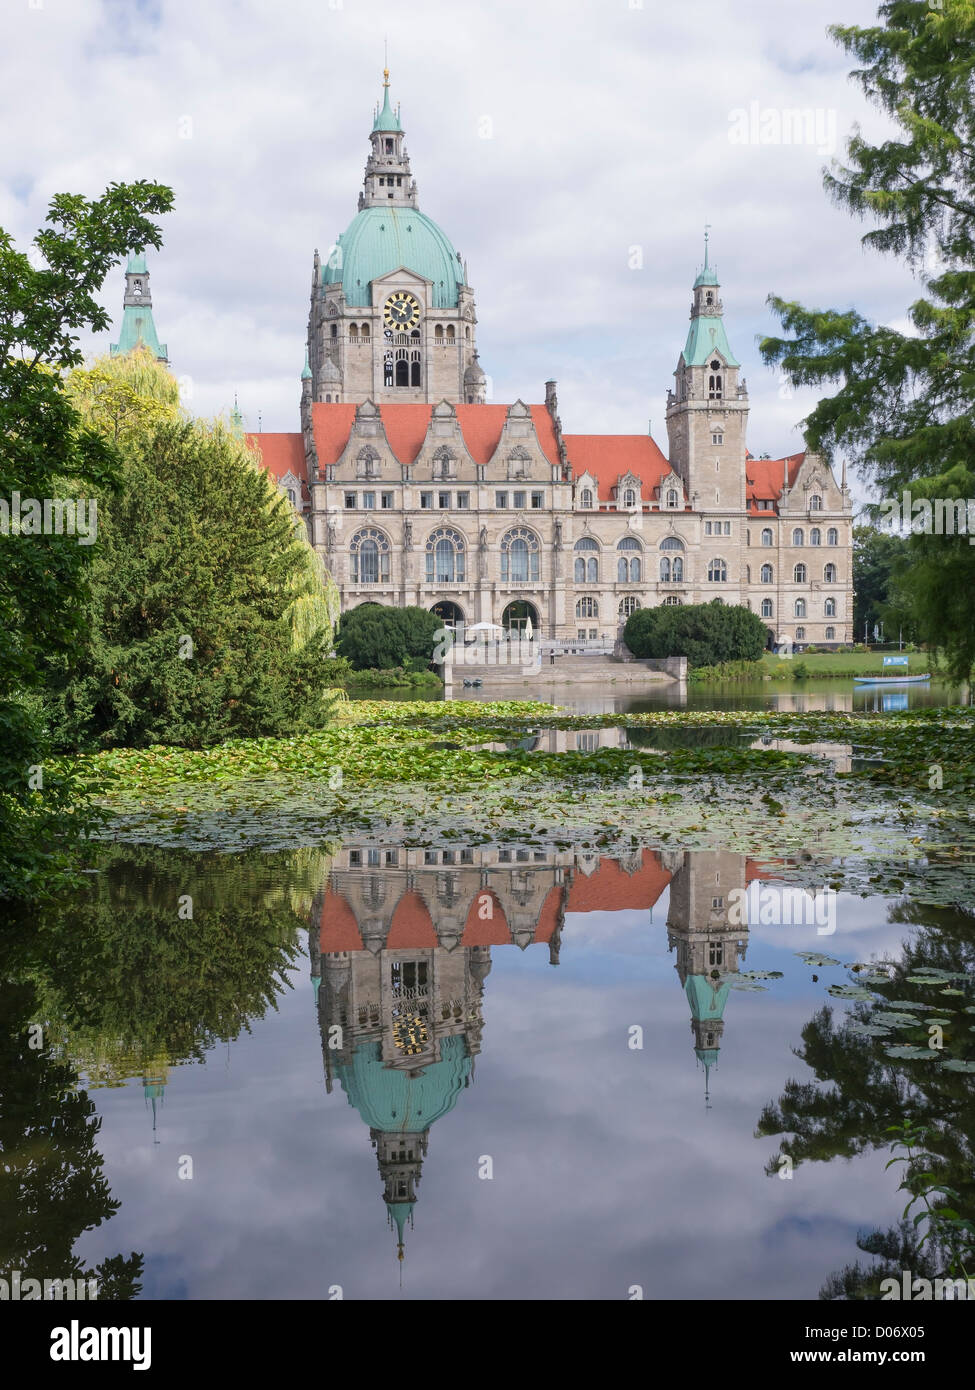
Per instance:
x=832, y=536
x=766, y=608
x=519, y=556
x=629, y=566
x=335, y=330
x=800, y=634
x=629, y=497
x=415, y=370
x=586, y=569
x=815, y=536
x=451, y=333
x=671, y=543
x=586, y=498
x=766, y=535
x=673, y=497
x=353, y=332
x=364, y=330
x=714, y=387
x=829, y=573
x=799, y=574
x=766, y=574
x=402, y=372
x=587, y=608
x=815, y=503
x=672, y=601
x=718, y=572
x=829, y=608
x=438, y=333
x=797, y=536
x=445, y=551
x=369, y=555
x=628, y=605
x=831, y=634
x=800, y=607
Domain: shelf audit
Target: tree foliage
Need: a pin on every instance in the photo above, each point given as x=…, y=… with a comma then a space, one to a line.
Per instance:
x=903, y=407
x=881, y=584
x=46, y=452
x=208, y=615
x=706, y=633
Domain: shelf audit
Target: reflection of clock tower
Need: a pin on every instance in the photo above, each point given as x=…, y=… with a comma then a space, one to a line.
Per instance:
x=392, y=315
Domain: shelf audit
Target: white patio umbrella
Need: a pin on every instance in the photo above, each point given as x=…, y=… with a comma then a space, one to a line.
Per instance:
x=484, y=627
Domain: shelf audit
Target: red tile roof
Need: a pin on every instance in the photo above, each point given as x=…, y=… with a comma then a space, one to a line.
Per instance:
x=763, y=479
x=406, y=429
x=280, y=454
x=609, y=456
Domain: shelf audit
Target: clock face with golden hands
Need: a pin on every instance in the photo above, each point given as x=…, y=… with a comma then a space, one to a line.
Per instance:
x=402, y=310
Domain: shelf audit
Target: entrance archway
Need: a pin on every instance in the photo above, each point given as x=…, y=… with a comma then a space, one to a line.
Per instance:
x=449, y=613
x=515, y=617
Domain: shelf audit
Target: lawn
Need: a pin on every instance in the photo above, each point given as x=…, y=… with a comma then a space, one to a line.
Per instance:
x=847, y=664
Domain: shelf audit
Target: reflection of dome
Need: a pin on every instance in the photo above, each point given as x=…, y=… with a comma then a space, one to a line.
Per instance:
x=391, y=1099
x=379, y=240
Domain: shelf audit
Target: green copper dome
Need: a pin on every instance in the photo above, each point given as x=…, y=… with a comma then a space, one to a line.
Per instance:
x=383, y=239
x=389, y=1099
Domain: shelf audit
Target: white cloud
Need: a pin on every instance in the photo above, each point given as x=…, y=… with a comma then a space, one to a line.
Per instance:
x=609, y=129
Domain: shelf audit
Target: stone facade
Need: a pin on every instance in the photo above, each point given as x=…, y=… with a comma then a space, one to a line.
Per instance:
x=416, y=490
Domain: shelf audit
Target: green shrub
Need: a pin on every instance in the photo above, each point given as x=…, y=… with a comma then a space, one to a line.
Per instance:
x=706, y=633
x=374, y=638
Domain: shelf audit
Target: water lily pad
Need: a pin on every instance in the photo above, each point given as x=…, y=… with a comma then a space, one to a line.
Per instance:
x=814, y=958
x=754, y=975
x=894, y=1020
x=849, y=992
x=868, y=1030
x=957, y=1064
x=914, y=1054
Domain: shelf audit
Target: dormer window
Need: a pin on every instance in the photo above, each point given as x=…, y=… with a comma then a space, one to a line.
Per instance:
x=672, y=498
x=629, y=497
x=389, y=147
x=709, y=297
x=586, y=499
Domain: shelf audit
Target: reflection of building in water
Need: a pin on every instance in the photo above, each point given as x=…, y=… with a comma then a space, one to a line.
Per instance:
x=709, y=941
x=400, y=948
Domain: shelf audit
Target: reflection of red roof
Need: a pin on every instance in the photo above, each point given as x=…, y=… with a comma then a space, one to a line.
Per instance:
x=338, y=930
x=611, y=889
x=412, y=924
x=608, y=457
x=764, y=478
x=754, y=869
x=406, y=428
x=480, y=930
x=548, y=918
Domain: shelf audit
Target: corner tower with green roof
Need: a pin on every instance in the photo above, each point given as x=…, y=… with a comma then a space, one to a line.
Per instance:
x=392, y=317
x=138, y=325
x=707, y=417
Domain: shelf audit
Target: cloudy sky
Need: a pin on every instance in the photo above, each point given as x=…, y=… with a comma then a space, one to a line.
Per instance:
x=573, y=151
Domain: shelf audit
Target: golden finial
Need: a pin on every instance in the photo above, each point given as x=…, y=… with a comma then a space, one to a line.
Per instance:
x=385, y=77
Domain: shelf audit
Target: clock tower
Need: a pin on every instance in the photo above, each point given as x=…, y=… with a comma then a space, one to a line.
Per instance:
x=392, y=317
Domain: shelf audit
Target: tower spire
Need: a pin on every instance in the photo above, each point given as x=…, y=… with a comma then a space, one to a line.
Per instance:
x=138, y=326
